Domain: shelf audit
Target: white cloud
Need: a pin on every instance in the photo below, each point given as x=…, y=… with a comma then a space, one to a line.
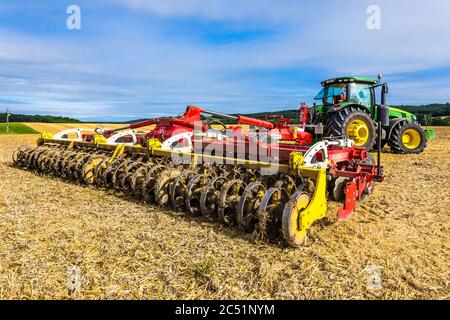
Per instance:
x=144, y=68
x=328, y=34
x=261, y=11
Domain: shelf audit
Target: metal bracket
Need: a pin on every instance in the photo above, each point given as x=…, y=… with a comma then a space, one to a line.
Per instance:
x=113, y=139
x=168, y=144
x=322, y=146
x=62, y=135
x=350, y=201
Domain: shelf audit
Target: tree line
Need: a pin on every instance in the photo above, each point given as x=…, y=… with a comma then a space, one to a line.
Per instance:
x=432, y=114
x=37, y=118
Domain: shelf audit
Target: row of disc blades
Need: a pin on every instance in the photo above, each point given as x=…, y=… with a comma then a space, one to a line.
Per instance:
x=250, y=199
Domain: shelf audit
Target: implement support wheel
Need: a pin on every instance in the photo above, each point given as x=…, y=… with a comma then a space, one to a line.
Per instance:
x=294, y=235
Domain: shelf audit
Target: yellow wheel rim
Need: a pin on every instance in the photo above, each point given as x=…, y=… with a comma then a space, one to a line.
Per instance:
x=292, y=229
x=411, y=138
x=358, y=131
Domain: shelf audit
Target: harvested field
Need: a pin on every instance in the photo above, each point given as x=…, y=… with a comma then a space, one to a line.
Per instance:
x=56, y=127
x=52, y=232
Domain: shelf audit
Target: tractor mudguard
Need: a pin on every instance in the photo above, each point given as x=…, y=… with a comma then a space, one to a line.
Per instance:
x=336, y=108
x=344, y=105
x=392, y=124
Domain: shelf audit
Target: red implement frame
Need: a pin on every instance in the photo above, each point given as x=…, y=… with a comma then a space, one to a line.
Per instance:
x=344, y=162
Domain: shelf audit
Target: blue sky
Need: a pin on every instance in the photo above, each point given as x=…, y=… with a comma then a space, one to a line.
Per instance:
x=135, y=58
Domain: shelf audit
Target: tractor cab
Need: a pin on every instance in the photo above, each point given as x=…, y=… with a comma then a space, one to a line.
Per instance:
x=347, y=90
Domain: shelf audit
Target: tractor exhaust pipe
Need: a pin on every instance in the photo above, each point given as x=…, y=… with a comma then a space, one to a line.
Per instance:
x=383, y=120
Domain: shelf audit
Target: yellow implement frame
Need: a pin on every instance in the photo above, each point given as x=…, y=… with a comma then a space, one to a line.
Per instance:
x=300, y=212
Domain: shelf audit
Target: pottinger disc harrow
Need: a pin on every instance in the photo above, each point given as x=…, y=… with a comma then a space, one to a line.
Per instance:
x=273, y=201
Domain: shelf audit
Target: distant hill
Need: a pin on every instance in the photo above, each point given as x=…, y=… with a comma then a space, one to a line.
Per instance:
x=431, y=114
x=37, y=118
x=435, y=109
x=434, y=114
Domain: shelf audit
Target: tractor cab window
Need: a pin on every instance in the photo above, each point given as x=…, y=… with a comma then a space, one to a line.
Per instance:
x=361, y=94
x=332, y=94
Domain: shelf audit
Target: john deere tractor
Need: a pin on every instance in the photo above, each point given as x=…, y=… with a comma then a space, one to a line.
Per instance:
x=348, y=108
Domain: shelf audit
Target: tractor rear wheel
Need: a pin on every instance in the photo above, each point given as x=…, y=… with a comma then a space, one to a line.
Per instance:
x=352, y=123
x=408, y=138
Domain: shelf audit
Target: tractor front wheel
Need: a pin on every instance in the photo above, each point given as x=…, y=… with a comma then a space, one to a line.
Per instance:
x=352, y=123
x=408, y=138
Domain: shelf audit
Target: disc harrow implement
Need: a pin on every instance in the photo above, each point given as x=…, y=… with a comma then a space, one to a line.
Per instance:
x=273, y=201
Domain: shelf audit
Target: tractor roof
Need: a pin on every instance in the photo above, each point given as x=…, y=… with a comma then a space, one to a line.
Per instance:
x=350, y=79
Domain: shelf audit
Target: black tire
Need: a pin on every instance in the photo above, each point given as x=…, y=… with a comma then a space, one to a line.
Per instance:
x=383, y=144
x=339, y=122
x=337, y=188
x=396, y=142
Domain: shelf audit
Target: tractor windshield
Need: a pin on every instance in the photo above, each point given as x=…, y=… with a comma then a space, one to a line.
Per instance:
x=361, y=93
x=332, y=94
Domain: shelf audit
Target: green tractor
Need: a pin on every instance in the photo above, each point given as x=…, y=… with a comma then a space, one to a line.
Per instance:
x=349, y=109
